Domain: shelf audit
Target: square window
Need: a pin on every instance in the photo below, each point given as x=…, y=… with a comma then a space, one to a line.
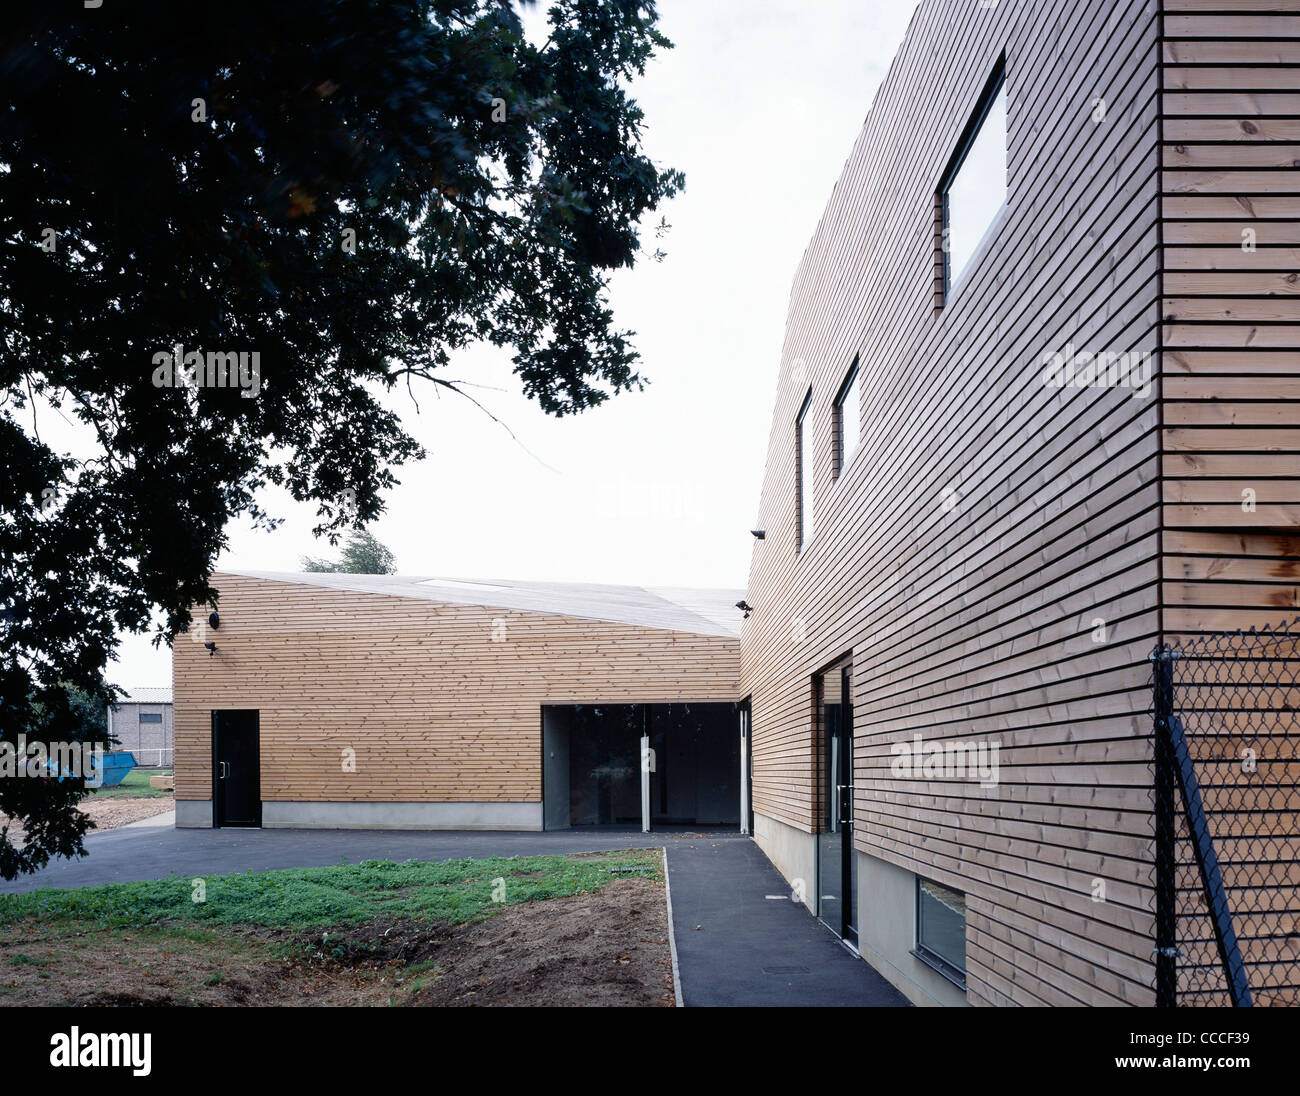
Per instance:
x=848, y=419
x=974, y=187
x=941, y=929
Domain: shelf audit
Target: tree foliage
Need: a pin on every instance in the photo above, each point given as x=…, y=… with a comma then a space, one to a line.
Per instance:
x=58, y=713
x=362, y=555
x=346, y=193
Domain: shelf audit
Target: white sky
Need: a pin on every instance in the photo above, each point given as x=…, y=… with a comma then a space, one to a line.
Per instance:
x=759, y=105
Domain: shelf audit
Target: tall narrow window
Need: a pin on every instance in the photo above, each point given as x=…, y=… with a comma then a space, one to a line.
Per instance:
x=803, y=471
x=848, y=419
x=975, y=184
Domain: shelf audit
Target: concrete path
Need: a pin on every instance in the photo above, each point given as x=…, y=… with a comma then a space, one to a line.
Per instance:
x=735, y=945
x=738, y=946
x=166, y=820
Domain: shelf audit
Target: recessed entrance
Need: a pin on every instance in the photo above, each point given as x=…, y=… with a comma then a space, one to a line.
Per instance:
x=644, y=765
x=837, y=877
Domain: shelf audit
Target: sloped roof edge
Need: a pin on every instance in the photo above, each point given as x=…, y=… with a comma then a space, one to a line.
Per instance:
x=676, y=609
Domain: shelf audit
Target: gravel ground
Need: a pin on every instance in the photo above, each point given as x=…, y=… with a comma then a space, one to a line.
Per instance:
x=107, y=814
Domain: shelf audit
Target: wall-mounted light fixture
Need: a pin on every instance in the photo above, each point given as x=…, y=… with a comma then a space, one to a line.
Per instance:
x=212, y=648
x=745, y=607
x=759, y=534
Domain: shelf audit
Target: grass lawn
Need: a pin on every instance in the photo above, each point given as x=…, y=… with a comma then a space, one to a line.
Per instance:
x=135, y=785
x=449, y=892
x=371, y=933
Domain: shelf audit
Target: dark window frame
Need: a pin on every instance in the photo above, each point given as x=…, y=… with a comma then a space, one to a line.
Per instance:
x=801, y=470
x=931, y=958
x=988, y=95
x=845, y=390
x=151, y=717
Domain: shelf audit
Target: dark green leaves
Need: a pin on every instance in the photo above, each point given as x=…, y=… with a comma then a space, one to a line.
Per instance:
x=201, y=167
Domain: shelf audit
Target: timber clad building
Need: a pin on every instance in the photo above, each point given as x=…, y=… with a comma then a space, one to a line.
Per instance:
x=1038, y=413
x=971, y=538
x=378, y=701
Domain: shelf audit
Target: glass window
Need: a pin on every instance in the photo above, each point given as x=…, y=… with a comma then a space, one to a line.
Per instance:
x=150, y=717
x=848, y=419
x=941, y=928
x=976, y=185
x=803, y=473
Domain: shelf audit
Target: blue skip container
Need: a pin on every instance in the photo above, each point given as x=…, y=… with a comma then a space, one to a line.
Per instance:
x=114, y=767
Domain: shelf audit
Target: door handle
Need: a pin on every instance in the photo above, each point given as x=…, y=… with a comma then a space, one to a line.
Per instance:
x=842, y=788
x=223, y=770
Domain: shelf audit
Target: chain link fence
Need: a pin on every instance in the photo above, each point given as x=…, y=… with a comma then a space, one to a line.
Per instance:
x=1227, y=819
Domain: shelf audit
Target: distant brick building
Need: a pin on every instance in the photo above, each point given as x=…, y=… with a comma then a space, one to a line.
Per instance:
x=142, y=724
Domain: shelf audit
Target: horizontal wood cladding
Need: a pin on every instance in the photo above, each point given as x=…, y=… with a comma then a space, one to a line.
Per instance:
x=440, y=702
x=990, y=557
x=1230, y=192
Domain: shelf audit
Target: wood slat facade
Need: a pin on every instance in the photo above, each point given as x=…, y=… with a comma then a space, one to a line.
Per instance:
x=1000, y=556
x=1230, y=452
x=440, y=702
x=1230, y=459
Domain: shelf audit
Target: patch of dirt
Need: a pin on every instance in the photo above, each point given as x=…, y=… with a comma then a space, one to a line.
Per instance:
x=376, y=944
x=107, y=814
x=124, y=1000
x=607, y=948
x=48, y=965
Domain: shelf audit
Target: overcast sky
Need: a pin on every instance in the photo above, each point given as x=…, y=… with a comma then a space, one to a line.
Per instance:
x=759, y=105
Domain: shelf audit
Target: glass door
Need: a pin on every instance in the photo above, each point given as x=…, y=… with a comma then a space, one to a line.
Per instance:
x=836, y=862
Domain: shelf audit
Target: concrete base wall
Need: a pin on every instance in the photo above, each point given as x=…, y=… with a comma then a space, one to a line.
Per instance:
x=194, y=814
x=197, y=814
x=403, y=816
x=793, y=852
x=887, y=933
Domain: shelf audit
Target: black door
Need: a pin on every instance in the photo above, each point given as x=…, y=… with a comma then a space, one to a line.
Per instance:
x=236, y=770
x=747, y=761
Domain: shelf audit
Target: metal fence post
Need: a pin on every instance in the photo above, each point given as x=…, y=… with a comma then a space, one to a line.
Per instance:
x=1166, y=950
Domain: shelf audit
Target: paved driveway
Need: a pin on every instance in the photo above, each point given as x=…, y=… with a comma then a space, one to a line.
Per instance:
x=735, y=944
x=144, y=851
